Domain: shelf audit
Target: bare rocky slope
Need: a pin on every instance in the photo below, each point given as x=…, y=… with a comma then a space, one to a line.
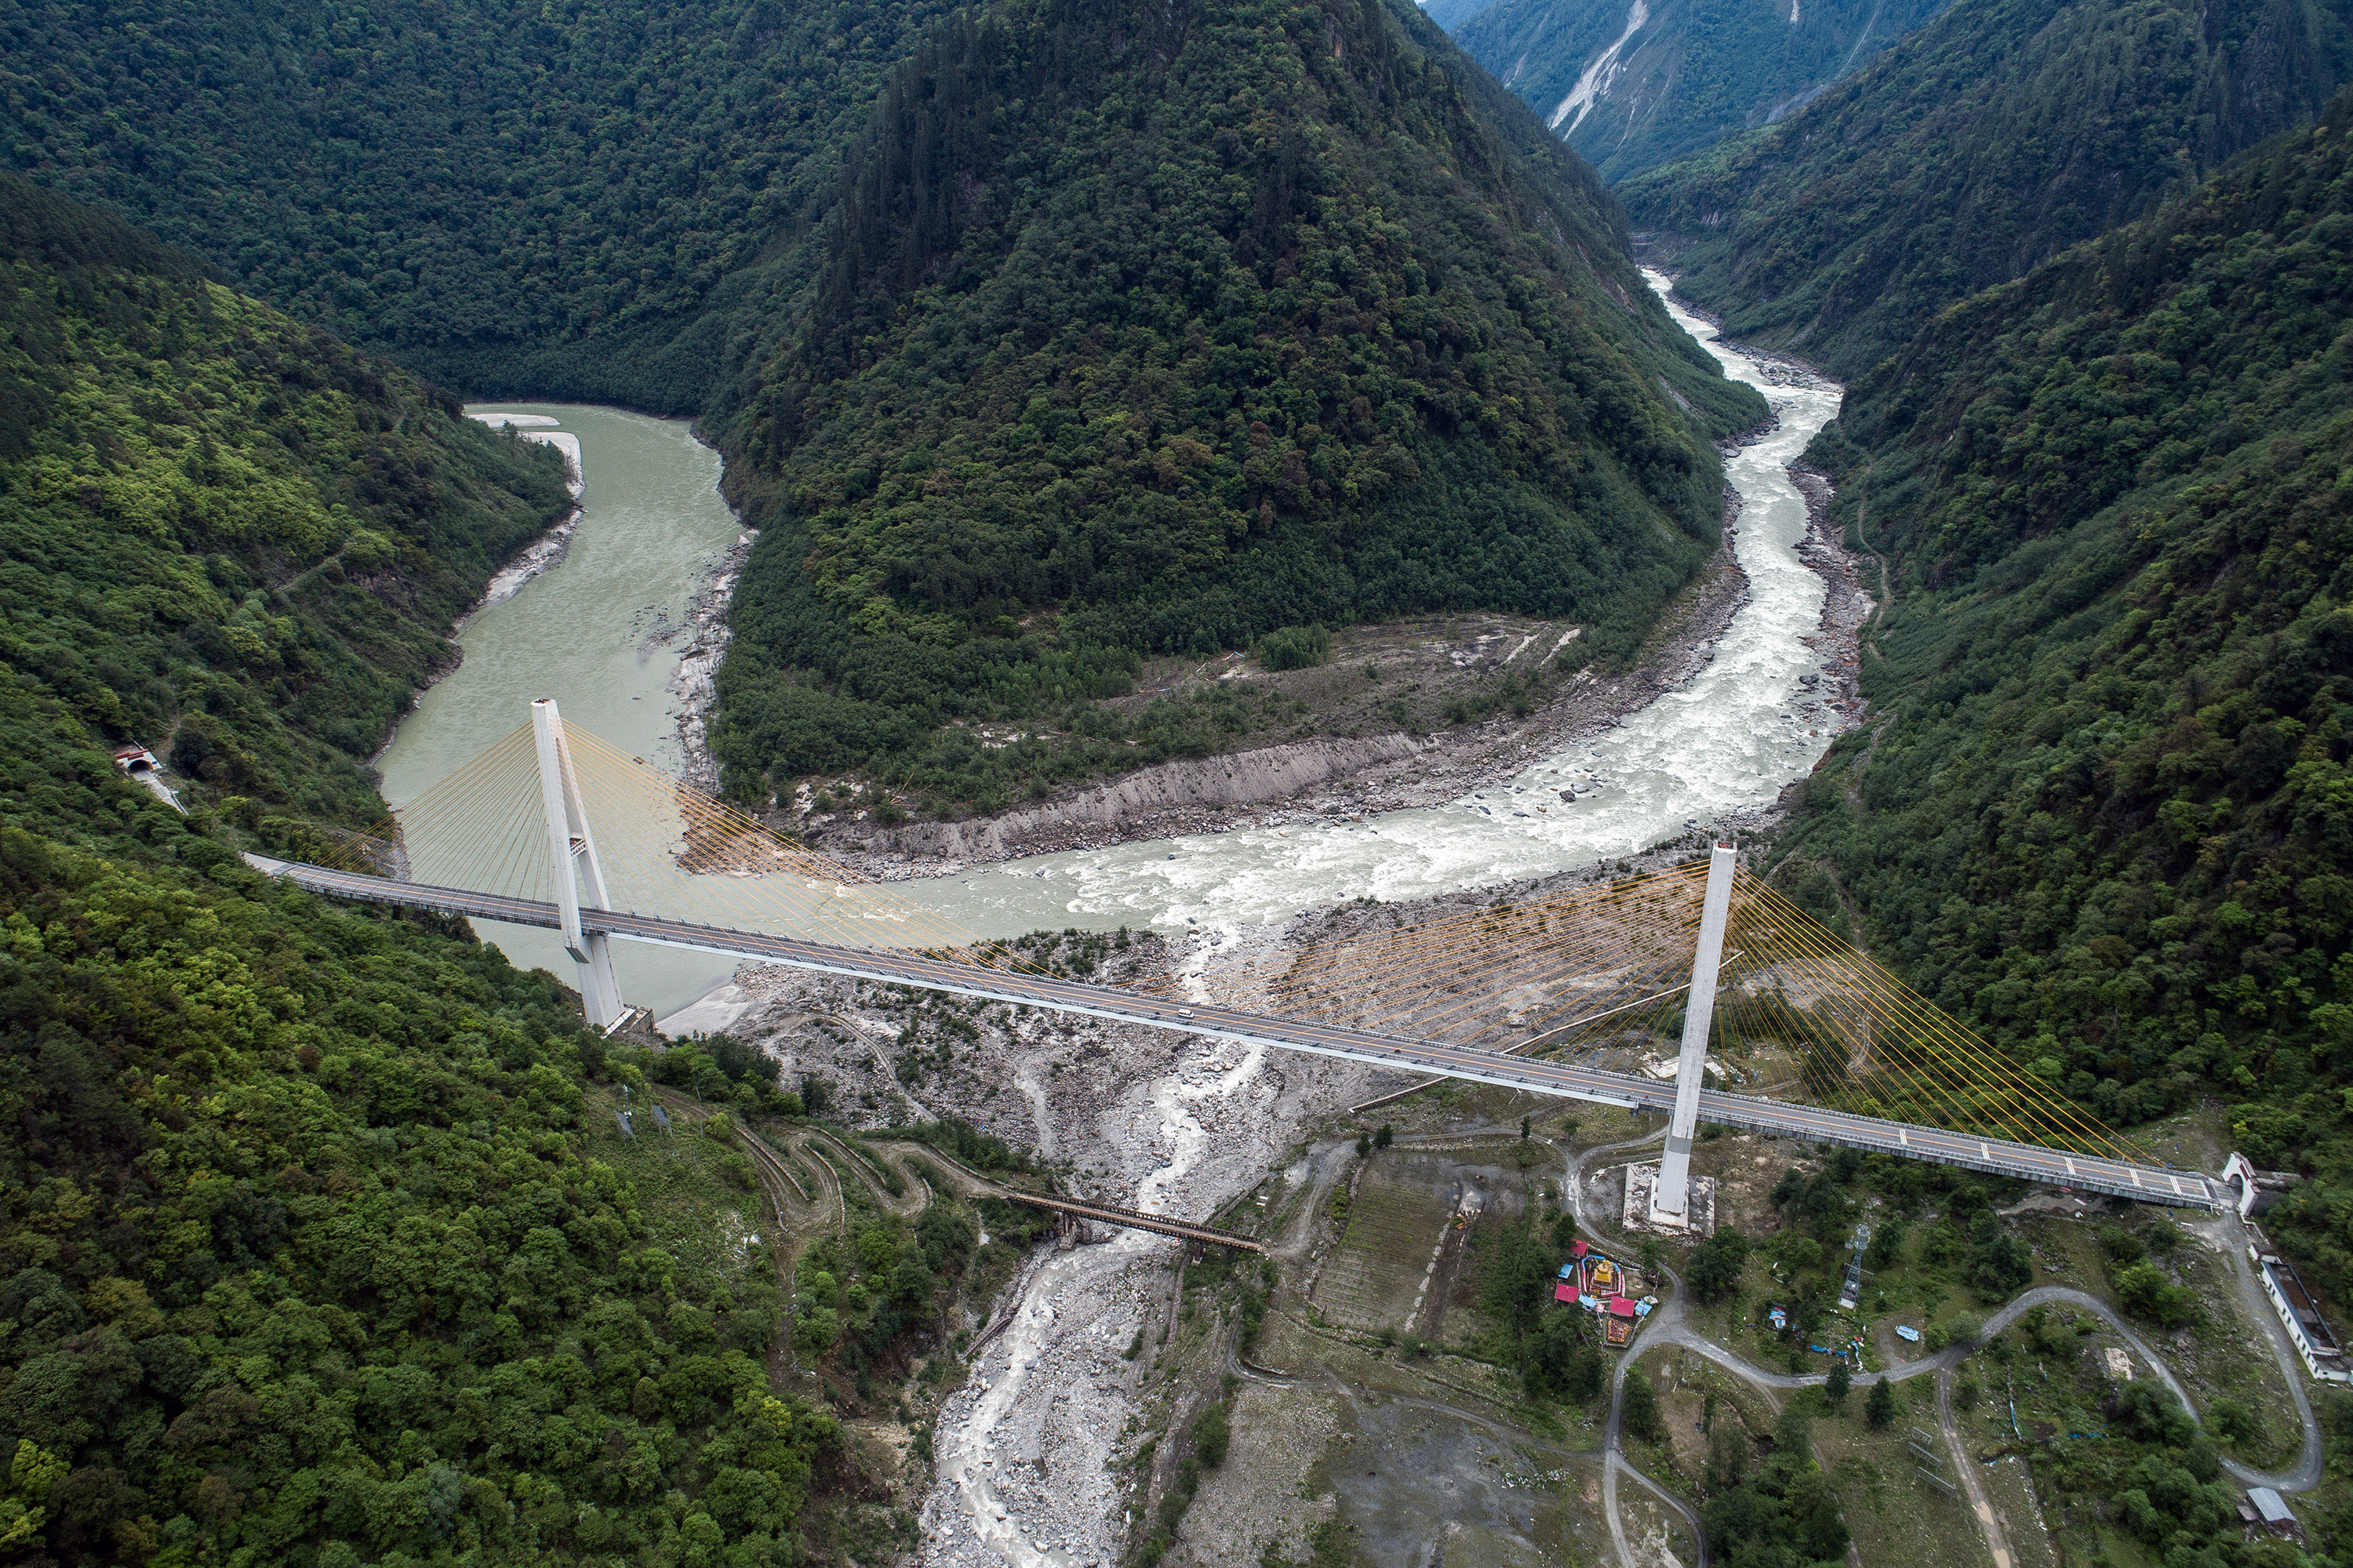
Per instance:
x=1630, y=86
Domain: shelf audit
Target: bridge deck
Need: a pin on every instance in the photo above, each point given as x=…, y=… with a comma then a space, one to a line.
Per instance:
x=1106, y=1215
x=2058, y=1168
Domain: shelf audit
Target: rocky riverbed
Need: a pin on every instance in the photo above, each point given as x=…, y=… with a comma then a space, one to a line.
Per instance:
x=1164, y=1122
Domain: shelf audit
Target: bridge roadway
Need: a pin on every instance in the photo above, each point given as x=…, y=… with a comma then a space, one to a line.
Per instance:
x=1819, y=1124
x=1106, y=1215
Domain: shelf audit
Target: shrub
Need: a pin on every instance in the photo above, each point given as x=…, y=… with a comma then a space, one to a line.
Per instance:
x=1640, y=1411
x=1715, y=1268
x=2144, y=1292
x=1211, y=1435
x=1294, y=648
x=2230, y=1420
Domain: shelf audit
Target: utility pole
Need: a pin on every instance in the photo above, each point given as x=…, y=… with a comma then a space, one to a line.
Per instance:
x=1670, y=1198
x=573, y=850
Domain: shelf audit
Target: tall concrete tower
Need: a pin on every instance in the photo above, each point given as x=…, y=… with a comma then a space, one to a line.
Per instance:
x=573, y=850
x=1670, y=1198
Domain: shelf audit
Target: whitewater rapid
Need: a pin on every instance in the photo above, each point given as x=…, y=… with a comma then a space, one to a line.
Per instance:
x=601, y=631
x=1728, y=741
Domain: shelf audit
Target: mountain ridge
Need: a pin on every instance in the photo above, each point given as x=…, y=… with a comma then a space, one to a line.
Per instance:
x=2104, y=813
x=1842, y=230
x=1633, y=87
x=1163, y=338
x=512, y=199
x=230, y=536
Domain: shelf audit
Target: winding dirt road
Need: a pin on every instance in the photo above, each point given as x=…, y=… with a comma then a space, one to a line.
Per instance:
x=1670, y=1326
x=1997, y=1541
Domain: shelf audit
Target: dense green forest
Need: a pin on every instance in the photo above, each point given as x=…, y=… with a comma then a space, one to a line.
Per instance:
x=225, y=533
x=307, y=1252
x=1692, y=73
x=1986, y=143
x=2103, y=809
x=304, y=1256
x=1158, y=333
x=515, y=199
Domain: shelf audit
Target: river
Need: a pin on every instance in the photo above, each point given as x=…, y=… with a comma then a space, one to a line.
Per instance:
x=597, y=631
x=1728, y=741
x=589, y=631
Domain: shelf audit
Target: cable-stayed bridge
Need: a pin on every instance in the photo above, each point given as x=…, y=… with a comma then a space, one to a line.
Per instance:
x=1583, y=994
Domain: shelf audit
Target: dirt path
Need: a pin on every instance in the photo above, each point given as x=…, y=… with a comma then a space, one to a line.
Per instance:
x=2228, y=1232
x=1981, y=1505
x=1614, y=1463
x=1667, y=1326
x=1575, y=1183
x=1613, y=1459
x=906, y=1204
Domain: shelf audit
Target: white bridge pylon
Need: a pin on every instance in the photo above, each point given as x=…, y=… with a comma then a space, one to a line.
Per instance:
x=1670, y=1197
x=572, y=854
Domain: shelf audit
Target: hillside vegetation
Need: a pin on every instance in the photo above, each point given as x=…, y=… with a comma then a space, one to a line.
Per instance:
x=1096, y=337
x=1690, y=75
x=1157, y=334
x=2105, y=811
x=1982, y=145
x=227, y=535
x=306, y=1255
x=515, y=199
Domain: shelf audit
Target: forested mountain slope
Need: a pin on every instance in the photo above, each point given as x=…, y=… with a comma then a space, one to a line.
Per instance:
x=1154, y=333
x=571, y=201
x=1984, y=144
x=1632, y=86
x=2105, y=809
x=225, y=535
x=305, y=1256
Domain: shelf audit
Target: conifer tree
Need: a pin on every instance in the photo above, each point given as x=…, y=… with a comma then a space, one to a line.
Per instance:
x=1640, y=1411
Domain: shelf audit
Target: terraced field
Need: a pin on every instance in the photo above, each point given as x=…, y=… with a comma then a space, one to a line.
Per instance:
x=1374, y=1276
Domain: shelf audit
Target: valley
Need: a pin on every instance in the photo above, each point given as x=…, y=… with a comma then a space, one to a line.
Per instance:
x=1322, y=509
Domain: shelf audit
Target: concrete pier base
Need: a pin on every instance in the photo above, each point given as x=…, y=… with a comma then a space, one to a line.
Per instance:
x=1641, y=1214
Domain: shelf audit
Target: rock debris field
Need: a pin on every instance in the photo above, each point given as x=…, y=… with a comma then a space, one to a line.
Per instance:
x=1147, y=1119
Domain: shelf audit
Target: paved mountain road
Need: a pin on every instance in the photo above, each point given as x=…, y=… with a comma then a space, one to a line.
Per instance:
x=1820, y=1124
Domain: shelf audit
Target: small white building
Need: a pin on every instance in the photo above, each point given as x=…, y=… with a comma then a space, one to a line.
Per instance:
x=2300, y=1313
